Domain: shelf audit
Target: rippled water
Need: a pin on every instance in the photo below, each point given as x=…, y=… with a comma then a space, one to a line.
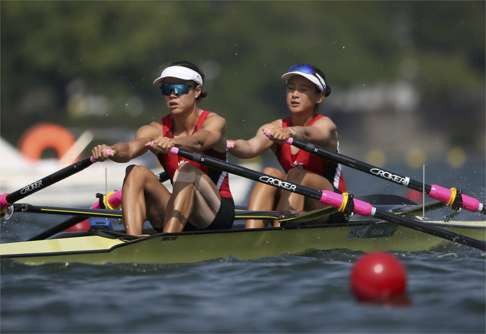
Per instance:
x=307, y=293
x=286, y=294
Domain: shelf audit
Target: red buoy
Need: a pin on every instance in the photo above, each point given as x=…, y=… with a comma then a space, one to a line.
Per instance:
x=378, y=277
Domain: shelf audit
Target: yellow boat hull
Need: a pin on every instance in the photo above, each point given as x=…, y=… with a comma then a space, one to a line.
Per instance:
x=240, y=244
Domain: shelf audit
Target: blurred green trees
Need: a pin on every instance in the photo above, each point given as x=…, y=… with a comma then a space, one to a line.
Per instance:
x=91, y=64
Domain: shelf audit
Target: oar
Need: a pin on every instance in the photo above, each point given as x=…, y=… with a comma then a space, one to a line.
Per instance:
x=8, y=199
x=58, y=228
x=451, y=197
x=343, y=202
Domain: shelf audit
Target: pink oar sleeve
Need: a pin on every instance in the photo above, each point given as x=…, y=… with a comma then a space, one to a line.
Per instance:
x=471, y=203
x=361, y=208
x=3, y=201
x=444, y=195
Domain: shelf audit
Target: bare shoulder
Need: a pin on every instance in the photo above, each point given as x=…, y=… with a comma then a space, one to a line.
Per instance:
x=216, y=117
x=326, y=134
x=215, y=120
x=325, y=123
x=151, y=130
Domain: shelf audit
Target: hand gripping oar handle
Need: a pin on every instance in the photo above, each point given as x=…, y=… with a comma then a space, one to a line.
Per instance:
x=343, y=202
x=451, y=197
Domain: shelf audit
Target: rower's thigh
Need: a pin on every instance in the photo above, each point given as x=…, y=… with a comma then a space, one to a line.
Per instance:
x=272, y=171
x=206, y=200
x=311, y=180
x=264, y=192
x=155, y=195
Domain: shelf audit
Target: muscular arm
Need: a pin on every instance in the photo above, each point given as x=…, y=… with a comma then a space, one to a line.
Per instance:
x=252, y=147
x=323, y=132
x=124, y=152
x=210, y=135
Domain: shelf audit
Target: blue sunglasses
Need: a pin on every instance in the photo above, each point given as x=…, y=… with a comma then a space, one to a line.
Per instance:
x=176, y=89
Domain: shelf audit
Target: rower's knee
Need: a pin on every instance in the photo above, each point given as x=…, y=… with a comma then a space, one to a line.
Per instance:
x=306, y=178
x=187, y=173
x=273, y=172
x=136, y=172
x=297, y=174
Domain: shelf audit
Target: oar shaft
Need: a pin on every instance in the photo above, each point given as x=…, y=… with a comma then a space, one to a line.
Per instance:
x=58, y=228
x=435, y=191
x=433, y=230
x=76, y=167
x=359, y=165
x=328, y=197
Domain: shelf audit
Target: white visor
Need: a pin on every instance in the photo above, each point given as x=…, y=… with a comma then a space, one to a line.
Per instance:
x=179, y=72
x=315, y=79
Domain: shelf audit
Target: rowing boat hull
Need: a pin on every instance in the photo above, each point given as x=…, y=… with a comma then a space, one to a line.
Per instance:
x=240, y=244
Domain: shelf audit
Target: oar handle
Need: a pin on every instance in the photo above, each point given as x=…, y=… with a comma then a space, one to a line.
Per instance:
x=451, y=197
x=8, y=199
